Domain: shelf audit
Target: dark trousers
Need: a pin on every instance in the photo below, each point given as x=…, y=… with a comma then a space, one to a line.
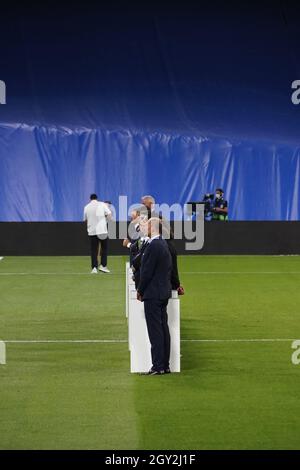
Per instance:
x=95, y=241
x=158, y=331
x=104, y=250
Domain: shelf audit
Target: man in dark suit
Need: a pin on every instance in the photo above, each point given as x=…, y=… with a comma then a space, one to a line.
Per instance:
x=154, y=290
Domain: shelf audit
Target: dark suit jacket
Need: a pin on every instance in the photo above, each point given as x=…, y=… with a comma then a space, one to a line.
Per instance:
x=137, y=260
x=155, y=274
x=175, y=282
x=133, y=251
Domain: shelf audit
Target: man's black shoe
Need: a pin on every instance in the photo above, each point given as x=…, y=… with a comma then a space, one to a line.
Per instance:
x=167, y=371
x=154, y=372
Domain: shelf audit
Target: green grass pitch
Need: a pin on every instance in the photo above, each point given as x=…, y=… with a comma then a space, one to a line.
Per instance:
x=230, y=394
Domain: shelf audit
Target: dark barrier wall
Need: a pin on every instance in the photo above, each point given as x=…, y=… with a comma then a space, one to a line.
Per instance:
x=70, y=239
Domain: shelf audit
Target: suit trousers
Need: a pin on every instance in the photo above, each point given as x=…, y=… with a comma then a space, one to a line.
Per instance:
x=158, y=331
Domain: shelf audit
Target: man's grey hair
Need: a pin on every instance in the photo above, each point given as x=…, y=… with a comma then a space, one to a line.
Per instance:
x=148, y=196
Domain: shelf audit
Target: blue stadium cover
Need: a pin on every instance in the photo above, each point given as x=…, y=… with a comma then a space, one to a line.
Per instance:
x=169, y=101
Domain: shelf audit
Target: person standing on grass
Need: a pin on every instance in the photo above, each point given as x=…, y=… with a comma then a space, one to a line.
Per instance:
x=133, y=243
x=94, y=215
x=154, y=290
x=103, y=213
x=139, y=247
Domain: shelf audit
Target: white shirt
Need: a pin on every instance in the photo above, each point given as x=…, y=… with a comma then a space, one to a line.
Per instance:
x=101, y=213
x=153, y=238
x=95, y=214
x=142, y=239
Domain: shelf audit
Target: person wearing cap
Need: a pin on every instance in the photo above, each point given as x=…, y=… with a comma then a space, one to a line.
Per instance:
x=220, y=206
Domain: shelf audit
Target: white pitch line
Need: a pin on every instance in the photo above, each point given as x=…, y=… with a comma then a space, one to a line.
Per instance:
x=66, y=341
x=57, y=274
x=87, y=341
x=240, y=272
x=250, y=340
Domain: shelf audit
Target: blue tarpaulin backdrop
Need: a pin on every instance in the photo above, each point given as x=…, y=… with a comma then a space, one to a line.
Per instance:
x=172, y=102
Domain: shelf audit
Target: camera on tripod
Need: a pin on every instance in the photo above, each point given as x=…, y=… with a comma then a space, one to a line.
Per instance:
x=208, y=200
x=207, y=204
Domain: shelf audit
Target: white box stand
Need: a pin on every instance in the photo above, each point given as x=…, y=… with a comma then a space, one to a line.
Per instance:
x=129, y=283
x=2, y=353
x=139, y=344
x=126, y=289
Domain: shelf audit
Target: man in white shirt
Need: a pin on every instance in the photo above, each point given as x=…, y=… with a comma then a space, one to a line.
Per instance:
x=103, y=213
x=95, y=215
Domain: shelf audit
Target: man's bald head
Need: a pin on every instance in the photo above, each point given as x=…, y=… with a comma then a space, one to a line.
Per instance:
x=154, y=226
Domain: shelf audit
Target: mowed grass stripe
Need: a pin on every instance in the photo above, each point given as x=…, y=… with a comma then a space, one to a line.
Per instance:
x=234, y=391
x=228, y=397
x=229, y=394
x=53, y=397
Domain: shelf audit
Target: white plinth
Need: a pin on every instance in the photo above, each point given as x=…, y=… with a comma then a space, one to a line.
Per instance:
x=129, y=283
x=2, y=353
x=127, y=267
x=139, y=344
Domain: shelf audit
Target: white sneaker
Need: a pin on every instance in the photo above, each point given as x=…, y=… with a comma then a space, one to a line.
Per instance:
x=94, y=271
x=104, y=269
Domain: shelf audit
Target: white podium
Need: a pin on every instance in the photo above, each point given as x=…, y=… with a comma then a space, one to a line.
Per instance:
x=2, y=353
x=129, y=283
x=139, y=344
